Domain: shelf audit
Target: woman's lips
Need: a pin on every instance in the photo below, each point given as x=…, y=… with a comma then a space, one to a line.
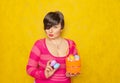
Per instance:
x=51, y=35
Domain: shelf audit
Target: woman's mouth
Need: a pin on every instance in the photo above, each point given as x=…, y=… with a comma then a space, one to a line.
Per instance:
x=51, y=35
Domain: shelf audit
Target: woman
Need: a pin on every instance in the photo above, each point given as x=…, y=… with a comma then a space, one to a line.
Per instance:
x=54, y=47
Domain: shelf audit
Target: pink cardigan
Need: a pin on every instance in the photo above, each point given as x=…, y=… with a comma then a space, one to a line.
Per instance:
x=38, y=58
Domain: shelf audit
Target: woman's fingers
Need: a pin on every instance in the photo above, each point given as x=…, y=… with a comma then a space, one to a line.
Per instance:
x=49, y=68
x=67, y=74
x=49, y=71
x=71, y=74
x=48, y=63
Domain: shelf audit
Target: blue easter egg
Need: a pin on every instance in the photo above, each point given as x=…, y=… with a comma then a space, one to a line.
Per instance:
x=57, y=65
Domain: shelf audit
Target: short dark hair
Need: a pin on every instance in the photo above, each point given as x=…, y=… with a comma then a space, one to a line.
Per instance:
x=53, y=18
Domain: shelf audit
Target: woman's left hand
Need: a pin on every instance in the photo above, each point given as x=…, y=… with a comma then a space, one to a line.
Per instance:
x=71, y=74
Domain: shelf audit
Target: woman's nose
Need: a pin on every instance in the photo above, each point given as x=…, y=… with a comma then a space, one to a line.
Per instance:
x=50, y=30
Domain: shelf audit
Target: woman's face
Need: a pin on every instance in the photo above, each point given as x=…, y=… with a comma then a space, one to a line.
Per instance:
x=54, y=31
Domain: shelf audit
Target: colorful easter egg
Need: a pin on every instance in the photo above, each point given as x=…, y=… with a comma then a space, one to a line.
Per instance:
x=53, y=62
x=57, y=65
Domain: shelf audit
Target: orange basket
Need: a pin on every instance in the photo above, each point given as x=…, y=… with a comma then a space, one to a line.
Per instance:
x=73, y=66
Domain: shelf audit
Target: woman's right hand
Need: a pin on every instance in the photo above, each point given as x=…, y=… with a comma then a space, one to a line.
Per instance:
x=49, y=71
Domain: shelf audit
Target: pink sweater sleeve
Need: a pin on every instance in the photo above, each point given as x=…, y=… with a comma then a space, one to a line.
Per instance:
x=73, y=48
x=33, y=66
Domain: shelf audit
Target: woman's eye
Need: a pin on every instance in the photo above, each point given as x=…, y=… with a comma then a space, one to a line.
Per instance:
x=55, y=26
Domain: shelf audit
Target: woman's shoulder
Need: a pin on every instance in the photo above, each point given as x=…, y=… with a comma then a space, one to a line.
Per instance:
x=69, y=40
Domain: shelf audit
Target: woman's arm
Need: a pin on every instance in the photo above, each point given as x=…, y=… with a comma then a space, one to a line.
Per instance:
x=33, y=66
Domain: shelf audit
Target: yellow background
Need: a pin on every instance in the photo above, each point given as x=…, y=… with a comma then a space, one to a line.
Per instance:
x=93, y=24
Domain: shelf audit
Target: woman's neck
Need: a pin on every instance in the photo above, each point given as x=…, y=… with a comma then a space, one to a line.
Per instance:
x=57, y=41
